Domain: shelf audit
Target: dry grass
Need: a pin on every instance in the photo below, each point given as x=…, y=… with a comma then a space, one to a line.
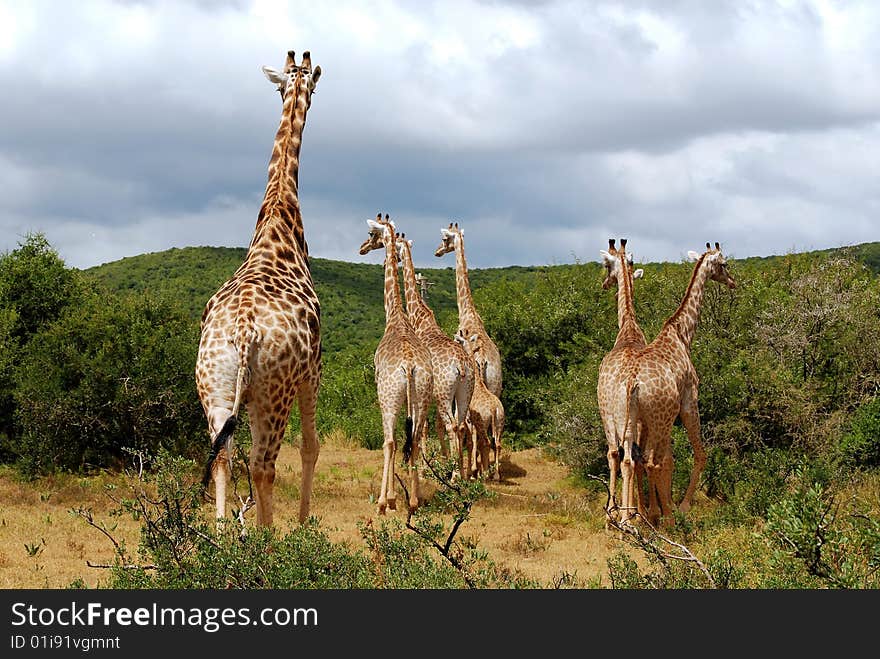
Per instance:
x=539, y=523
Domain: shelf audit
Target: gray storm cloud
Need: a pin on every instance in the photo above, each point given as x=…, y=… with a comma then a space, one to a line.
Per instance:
x=542, y=127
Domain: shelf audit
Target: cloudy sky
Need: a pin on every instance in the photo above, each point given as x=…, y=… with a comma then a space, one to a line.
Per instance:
x=543, y=128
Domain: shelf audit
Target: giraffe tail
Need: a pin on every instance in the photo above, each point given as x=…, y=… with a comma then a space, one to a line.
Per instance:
x=226, y=434
x=632, y=413
x=410, y=414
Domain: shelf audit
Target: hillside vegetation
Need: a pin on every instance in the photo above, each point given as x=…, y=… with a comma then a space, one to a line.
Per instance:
x=99, y=363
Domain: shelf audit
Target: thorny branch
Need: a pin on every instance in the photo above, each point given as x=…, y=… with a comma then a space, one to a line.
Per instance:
x=86, y=514
x=654, y=544
x=444, y=549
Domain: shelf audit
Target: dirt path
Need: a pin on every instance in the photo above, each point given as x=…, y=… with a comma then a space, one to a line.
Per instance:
x=538, y=523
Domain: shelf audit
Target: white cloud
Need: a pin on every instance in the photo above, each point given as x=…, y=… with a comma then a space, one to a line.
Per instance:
x=754, y=122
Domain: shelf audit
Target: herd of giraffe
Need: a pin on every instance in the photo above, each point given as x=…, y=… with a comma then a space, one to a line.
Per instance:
x=260, y=346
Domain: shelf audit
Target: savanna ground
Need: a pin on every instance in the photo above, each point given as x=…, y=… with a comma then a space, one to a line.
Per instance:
x=540, y=523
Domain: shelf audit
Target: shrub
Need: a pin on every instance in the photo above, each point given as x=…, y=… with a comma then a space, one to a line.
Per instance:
x=181, y=549
x=860, y=446
x=817, y=541
x=35, y=289
x=104, y=377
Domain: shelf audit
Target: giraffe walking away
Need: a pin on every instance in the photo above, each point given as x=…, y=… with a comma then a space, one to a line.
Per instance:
x=469, y=321
x=403, y=372
x=452, y=370
x=666, y=388
x=616, y=397
x=260, y=342
x=485, y=418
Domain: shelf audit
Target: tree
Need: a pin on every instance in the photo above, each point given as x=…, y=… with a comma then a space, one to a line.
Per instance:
x=35, y=288
x=107, y=377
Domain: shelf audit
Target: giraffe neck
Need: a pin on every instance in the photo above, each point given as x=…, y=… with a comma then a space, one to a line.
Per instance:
x=393, y=305
x=466, y=309
x=628, y=327
x=281, y=199
x=687, y=315
x=420, y=314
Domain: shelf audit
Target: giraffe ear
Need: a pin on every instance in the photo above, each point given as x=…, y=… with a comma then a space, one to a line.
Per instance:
x=409, y=242
x=460, y=339
x=638, y=274
x=606, y=257
x=446, y=233
x=692, y=255
x=274, y=76
x=373, y=224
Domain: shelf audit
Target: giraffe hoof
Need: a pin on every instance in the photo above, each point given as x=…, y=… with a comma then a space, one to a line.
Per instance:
x=381, y=509
x=685, y=506
x=392, y=504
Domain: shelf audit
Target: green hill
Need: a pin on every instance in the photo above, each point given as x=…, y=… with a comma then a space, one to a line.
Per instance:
x=350, y=293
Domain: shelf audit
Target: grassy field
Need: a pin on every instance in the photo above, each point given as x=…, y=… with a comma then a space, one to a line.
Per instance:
x=540, y=522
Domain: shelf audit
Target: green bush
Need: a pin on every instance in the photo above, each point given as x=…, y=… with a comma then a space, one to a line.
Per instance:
x=860, y=446
x=35, y=289
x=819, y=541
x=108, y=375
x=347, y=400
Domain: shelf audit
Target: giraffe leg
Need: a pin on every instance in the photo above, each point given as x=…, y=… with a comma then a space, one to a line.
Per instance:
x=473, y=434
x=388, y=447
x=496, y=446
x=217, y=416
x=641, y=477
x=452, y=435
x=307, y=398
x=664, y=490
x=612, y=512
x=627, y=469
x=640, y=490
x=267, y=431
x=652, y=473
x=690, y=419
x=263, y=477
x=420, y=433
x=441, y=434
x=613, y=466
x=484, y=451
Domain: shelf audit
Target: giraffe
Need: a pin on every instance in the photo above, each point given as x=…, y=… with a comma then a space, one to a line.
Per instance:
x=613, y=397
x=451, y=369
x=486, y=419
x=663, y=385
x=403, y=372
x=469, y=321
x=260, y=341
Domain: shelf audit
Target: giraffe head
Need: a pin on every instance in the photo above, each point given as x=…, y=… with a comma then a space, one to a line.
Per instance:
x=618, y=264
x=380, y=231
x=292, y=78
x=714, y=260
x=447, y=243
x=471, y=345
x=403, y=246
